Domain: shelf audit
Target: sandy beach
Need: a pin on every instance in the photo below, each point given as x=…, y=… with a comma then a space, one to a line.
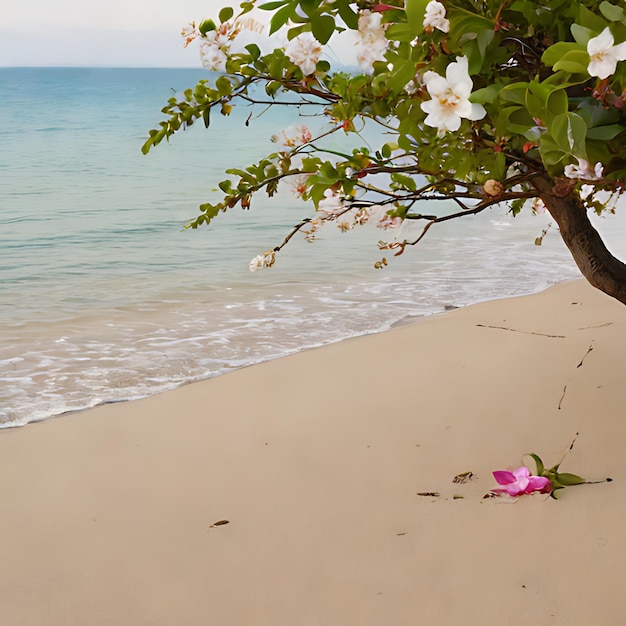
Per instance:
x=316, y=460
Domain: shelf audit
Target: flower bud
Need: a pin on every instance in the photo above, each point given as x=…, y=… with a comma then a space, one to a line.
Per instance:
x=493, y=188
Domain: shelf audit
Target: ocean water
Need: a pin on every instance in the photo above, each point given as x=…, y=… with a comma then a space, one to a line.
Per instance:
x=104, y=297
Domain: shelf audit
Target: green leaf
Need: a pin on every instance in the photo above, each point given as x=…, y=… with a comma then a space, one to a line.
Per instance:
x=611, y=12
x=551, y=153
x=404, y=181
x=210, y=211
x=271, y=6
x=206, y=26
x=272, y=87
x=582, y=34
x=533, y=134
x=224, y=86
x=401, y=75
x=536, y=101
x=400, y=32
x=559, y=50
x=567, y=480
x=569, y=131
x=590, y=19
x=309, y=6
x=415, y=11
x=322, y=27
x=605, y=133
x=486, y=95
x=574, y=62
x=350, y=17
x=485, y=37
x=514, y=119
x=226, y=186
x=556, y=104
x=310, y=164
x=316, y=193
x=149, y=143
x=254, y=51
x=293, y=32
x=281, y=17
x=595, y=114
x=538, y=462
x=515, y=92
x=463, y=21
x=225, y=14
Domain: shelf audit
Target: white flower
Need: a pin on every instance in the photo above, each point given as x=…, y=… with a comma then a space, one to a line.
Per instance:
x=583, y=170
x=371, y=30
x=293, y=136
x=604, y=55
x=212, y=56
x=267, y=259
x=305, y=51
x=257, y=263
x=298, y=184
x=215, y=45
x=223, y=35
x=189, y=33
x=372, y=43
x=450, y=98
x=435, y=17
x=367, y=56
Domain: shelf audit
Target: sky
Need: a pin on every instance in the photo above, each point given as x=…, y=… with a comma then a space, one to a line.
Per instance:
x=96, y=32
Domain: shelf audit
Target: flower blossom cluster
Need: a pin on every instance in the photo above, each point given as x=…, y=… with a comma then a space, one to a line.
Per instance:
x=292, y=137
x=435, y=17
x=372, y=43
x=348, y=217
x=583, y=170
x=189, y=33
x=331, y=208
x=267, y=259
x=305, y=51
x=450, y=98
x=215, y=45
x=603, y=55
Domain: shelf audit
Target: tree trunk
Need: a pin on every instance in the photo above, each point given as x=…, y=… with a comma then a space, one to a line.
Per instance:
x=596, y=263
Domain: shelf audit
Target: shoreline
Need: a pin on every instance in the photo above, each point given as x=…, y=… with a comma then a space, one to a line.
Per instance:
x=165, y=386
x=315, y=459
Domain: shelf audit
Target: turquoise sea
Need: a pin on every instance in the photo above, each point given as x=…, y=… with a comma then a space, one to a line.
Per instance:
x=104, y=297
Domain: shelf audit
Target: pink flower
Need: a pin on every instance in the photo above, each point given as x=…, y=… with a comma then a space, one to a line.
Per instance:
x=519, y=482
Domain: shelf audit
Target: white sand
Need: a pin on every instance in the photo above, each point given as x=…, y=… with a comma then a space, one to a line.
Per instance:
x=316, y=461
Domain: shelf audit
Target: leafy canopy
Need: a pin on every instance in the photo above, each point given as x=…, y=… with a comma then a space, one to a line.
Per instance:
x=476, y=98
